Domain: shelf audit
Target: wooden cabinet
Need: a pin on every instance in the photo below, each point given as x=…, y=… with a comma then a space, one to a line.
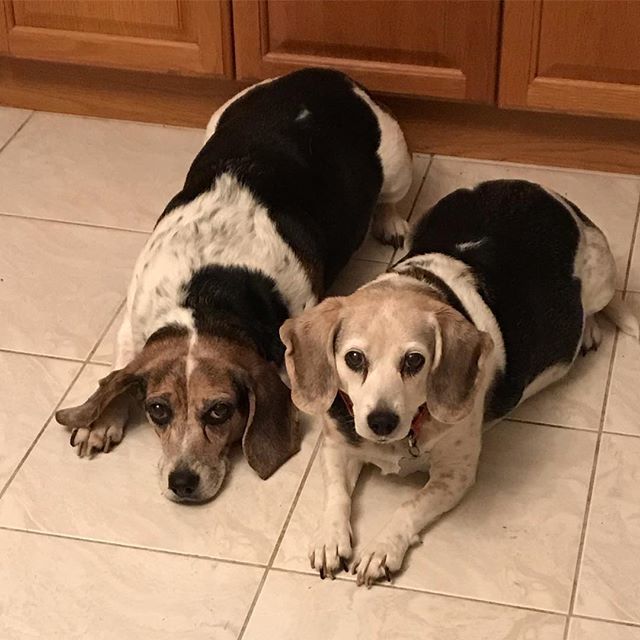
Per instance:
x=577, y=56
x=180, y=36
x=437, y=48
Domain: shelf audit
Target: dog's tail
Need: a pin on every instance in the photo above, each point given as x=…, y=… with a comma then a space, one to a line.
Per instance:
x=618, y=312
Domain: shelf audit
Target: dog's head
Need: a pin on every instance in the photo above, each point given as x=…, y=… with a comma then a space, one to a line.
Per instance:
x=392, y=349
x=201, y=395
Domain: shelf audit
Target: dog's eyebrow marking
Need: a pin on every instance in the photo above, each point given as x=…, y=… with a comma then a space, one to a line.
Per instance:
x=190, y=362
x=474, y=244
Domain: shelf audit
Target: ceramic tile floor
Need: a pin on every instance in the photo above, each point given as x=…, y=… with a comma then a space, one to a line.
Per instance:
x=545, y=547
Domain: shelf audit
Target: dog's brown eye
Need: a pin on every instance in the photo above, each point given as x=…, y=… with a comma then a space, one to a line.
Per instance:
x=218, y=413
x=413, y=362
x=355, y=360
x=159, y=412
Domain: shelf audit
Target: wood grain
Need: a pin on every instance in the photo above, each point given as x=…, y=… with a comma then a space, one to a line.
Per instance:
x=442, y=49
x=184, y=37
x=580, y=57
x=473, y=131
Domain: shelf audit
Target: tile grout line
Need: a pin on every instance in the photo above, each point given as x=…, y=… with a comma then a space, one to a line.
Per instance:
x=13, y=136
x=549, y=424
x=35, y=441
x=596, y=455
x=20, y=352
x=590, y=490
x=133, y=547
x=413, y=206
x=624, y=623
x=283, y=531
x=634, y=238
x=451, y=596
x=76, y=223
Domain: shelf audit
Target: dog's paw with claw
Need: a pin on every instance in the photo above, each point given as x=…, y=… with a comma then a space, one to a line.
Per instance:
x=379, y=560
x=100, y=437
x=591, y=335
x=391, y=230
x=330, y=550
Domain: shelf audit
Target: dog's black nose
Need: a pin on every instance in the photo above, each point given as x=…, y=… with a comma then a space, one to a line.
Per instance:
x=183, y=482
x=383, y=422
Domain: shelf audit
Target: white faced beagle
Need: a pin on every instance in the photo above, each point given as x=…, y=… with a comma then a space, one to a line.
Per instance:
x=498, y=294
x=274, y=205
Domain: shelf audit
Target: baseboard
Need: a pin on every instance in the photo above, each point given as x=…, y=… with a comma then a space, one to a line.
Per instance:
x=456, y=129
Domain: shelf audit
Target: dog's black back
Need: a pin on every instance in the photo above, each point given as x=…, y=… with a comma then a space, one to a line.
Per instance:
x=306, y=146
x=520, y=243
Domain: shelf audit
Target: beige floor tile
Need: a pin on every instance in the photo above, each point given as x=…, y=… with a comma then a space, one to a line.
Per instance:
x=354, y=275
x=57, y=588
x=105, y=172
x=31, y=386
x=609, y=584
x=623, y=405
x=292, y=606
x=576, y=400
x=634, y=273
x=106, y=348
x=611, y=201
x=581, y=629
x=371, y=249
x=10, y=121
x=514, y=539
x=61, y=284
x=116, y=497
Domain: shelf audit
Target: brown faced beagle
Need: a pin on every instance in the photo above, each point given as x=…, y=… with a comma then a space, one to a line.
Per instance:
x=274, y=205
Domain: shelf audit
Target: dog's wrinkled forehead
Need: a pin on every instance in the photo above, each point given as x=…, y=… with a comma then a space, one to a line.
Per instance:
x=190, y=373
x=381, y=317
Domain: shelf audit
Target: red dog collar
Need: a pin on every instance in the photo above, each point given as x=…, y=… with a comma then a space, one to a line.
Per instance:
x=418, y=421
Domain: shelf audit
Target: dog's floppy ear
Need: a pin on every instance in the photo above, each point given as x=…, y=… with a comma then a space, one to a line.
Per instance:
x=116, y=383
x=309, y=356
x=272, y=435
x=459, y=355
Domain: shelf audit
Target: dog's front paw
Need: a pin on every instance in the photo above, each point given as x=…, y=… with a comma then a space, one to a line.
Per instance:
x=330, y=549
x=101, y=437
x=391, y=230
x=379, y=559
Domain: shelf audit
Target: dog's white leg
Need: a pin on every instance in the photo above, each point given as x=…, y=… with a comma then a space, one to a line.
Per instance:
x=331, y=545
x=124, y=350
x=388, y=227
x=108, y=429
x=397, y=173
x=454, y=463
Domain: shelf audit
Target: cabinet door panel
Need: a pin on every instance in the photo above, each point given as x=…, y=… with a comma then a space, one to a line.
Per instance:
x=438, y=48
x=581, y=56
x=182, y=36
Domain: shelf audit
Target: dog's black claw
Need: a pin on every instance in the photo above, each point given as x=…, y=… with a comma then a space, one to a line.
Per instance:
x=387, y=574
x=344, y=565
x=322, y=573
x=72, y=439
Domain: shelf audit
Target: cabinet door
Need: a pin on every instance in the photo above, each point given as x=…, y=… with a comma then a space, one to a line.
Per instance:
x=444, y=49
x=182, y=36
x=581, y=56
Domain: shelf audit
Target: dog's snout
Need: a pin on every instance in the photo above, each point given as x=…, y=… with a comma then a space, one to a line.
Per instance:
x=383, y=422
x=183, y=482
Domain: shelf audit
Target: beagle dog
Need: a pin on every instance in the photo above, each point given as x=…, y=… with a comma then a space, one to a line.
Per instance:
x=278, y=199
x=496, y=297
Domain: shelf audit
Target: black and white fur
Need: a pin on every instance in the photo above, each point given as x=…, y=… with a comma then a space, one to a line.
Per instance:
x=274, y=205
x=529, y=268
x=523, y=265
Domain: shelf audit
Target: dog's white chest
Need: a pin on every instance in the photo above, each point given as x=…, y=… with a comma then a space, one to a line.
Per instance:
x=395, y=458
